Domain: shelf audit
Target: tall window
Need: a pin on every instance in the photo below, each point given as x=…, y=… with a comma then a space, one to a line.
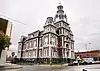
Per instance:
x=40, y=42
x=48, y=52
x=40, y=52
x=23, y=54
x=50, y=29
x=53, y=52
x=67, y=46
x=64, y=52
x=60, y=31
x=53, y=40
x=34, y=43
x=35, y=52
x=30, y=44
x=27, y=45
x=45, y=52
x=67, y=54
x=63, y=31
x=46, y=40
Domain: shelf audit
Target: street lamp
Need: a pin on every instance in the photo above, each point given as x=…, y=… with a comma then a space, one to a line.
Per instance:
x=85, y=45
x=86, y=48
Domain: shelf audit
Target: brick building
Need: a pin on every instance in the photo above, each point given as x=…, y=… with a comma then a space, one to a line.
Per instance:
x=95, y=54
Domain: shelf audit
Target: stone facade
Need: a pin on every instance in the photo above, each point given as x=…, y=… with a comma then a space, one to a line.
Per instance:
x=51, y=44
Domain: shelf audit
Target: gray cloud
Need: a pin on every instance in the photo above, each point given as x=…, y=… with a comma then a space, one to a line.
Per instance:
x=83, y=17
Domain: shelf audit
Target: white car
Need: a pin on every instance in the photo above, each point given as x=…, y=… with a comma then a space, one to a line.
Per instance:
x=75, y=62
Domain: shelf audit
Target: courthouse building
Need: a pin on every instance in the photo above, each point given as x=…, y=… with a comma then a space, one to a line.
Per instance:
x=55, y=43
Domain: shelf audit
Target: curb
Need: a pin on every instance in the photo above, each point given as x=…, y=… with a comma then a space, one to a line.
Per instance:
x=51, y=66
x=10, y=68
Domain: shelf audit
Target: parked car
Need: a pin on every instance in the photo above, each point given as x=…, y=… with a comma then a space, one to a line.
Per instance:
x=96, y=62
x=75, y=63
x=87, y=61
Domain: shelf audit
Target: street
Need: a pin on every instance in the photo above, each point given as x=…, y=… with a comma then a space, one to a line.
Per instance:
x=95, y=67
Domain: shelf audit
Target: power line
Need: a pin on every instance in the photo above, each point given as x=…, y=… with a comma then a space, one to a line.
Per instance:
x=13, y=19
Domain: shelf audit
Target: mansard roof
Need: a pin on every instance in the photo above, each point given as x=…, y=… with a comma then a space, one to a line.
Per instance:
x=50, y=22
x=51, y=33
x=33, y=35
x=41, y=33
x=34, y=32
x=22, y=39
x=50, y=25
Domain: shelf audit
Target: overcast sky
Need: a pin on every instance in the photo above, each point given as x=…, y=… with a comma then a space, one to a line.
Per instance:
x=83, y=17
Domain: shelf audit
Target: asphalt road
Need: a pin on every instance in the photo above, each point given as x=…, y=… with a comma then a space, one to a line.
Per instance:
x=95, y=67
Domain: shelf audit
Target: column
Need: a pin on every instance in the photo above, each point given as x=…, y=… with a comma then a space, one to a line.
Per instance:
x=49, y=46
x=69, y=53
x=42, y=52
x=62, y=30
x=50, y=50
x=65, y=50
x=37, y=47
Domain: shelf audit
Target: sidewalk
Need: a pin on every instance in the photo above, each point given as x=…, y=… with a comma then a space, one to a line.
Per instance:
x=10, y=66
x=47, y=65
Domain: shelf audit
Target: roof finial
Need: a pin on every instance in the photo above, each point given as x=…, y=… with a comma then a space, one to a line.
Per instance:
x=60, y=3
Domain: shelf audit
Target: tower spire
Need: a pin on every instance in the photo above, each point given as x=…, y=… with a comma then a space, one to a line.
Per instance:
x=60, y=14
